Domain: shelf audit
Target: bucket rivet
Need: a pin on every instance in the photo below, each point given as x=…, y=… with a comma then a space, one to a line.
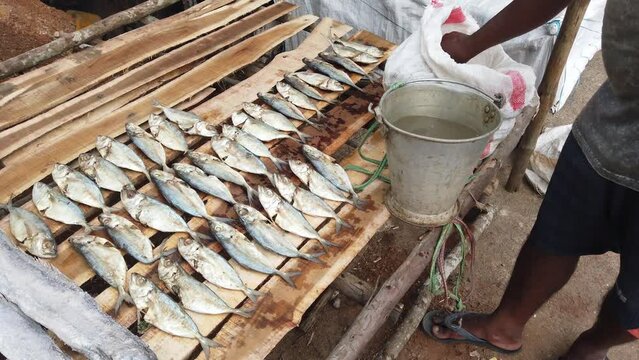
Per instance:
x=487, y=109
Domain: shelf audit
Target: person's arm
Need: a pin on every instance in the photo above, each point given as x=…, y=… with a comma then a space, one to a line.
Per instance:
x=519, y=17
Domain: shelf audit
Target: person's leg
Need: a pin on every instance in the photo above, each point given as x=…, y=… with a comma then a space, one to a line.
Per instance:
x=607, y=332
x=536, y=277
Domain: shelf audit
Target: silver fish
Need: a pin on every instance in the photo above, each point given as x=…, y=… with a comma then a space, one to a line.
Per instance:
x=237, y=157
x=147, y=144
x=216, y=167
x=184, y=119
x=120, y=155
x=23, y=338
x=365, y=58
x=239, y=117
x=333, y=172
x=52, y=204
x=287, y=217
x=103, y=172
x=307, y=202
x=305, y=88
x=368, y=49
x=168, y=134
x=245, y=252
x=320, y=81
x=193, y=295
x=344, y=51
x=76, y=186
x=213, y=267
x=265, y=132
x=107, y=261
x=129, y=237
x=297, y=97
x=316, y=183
x=202, y=128
x=285, y=107
x=154, y=213
x=180, y=195
x=273, y=119
x=32, y=233
x=199, y=180
x=330, y=71
x=252, y=144
x=344, y=62
x=269, y=235
x=164, y=313
x=63, y=308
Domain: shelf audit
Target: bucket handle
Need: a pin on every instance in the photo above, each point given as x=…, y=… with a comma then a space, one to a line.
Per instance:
x=378, y=118
x=497, y=99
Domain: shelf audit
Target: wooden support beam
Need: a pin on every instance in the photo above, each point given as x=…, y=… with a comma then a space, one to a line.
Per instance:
x=547, y=90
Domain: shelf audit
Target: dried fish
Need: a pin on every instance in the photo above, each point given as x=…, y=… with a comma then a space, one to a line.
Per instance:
x=316, y=183
x=216, y=167
x=120, y=155
x=129, y=237
x=78, y=187
x=52, y=204
x=320, y=81
x=346, y=63
x=103, y=172
x=32, y=233
x=305, y=88
x=273, y=119
x=203, y=129
x=368, y=49
x=237, y=157
x=345, y=51
x=199, y=180
x=297, y=97
x=252, y=144
x=184, y=119
x=286, y=108
x=331, y=71
x=265, y=132
x=168, y=134
x=147, y=144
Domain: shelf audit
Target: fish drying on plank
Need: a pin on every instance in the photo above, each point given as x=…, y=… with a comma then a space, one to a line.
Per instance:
x=286, y=108
x=187, y=121
x=32, y=233
x=269, y=117
x=287, y=217
x=367, y=49
x=216, y=167
x=252, y=144
x=346, y=63
x=320, y=81
x=107, y=261
x=333, y=172
x=213, y=267
x=246, y=253
x=305, y=88
x=307, y=202
x=194, y=295
x=355, y=55
x=179, y=194
x=167, y=133
x=130, y=238
x=330, y=71
x=55, y=206
x=269, y=236
x=120, y=155
x=77, y=187
x=237, y=157
x=316, y=183
x=154, y=213
x=152, y=148
x=297, y=98
x=200, y=180
x=103, y=172
x=164, y=313
x=265, y=132
x=67, y=311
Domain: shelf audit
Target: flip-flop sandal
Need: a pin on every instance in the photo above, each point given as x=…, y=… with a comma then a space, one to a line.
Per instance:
x=451, y=323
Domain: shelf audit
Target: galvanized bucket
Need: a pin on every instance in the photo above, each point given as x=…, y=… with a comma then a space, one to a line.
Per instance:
x=428, y=173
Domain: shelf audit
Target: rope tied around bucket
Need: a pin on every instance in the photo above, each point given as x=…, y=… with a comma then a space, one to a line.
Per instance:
x=381, y=165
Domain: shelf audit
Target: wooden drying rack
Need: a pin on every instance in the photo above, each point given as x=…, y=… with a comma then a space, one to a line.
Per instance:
x=54, y=113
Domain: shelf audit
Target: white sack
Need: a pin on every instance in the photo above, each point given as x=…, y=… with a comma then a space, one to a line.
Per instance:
x=544, y=158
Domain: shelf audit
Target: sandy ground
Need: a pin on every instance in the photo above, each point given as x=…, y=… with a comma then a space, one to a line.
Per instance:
x=548, y=334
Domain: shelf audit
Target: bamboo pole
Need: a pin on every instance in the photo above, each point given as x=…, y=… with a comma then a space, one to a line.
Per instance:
x=69, y=40
x=414, y=316
x=547, y=90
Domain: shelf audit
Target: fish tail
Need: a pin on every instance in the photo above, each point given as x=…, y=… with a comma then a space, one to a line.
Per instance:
x=122, y=297
x=314, y=257
x=247, y=313
x=270, y=177
x=279, y=163
x=148, y=176
x=252, y=294
x=252, y=194
x=315, y=125
x=358, y=88
x=207, y=344
x=199, y=236
x=341, y=223
x=288, y=276
x=168, y=169
x=326, y=244
x=156, y=103
x=358, y=202
x=320, y=114
x=222, y=219
x=303, y=137
x=112, y=209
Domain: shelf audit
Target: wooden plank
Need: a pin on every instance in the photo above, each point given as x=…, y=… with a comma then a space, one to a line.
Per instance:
x=81, y=136
x=51, y=92
x=26, y=132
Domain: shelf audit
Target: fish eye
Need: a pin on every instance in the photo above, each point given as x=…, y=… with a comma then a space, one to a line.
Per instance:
x=243, y=212
x=218, y=228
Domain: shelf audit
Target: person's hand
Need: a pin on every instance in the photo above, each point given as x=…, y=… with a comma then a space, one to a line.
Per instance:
x=458, y=46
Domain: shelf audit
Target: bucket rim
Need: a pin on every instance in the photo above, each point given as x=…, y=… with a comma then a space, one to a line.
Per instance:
x=479, y=92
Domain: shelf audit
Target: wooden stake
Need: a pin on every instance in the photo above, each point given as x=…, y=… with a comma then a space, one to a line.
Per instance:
x=415, y=315
x=70, y=40
x=547, y=90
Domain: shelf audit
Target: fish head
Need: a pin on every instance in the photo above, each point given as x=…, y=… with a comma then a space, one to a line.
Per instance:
x=109, y=220
x=311, y=152
x=103, y=144
x=161, y=176
x=269, y=199
x=140, y=289
x=301, y=169
x=134, y=130
x=220, y=144
x=282, y=87
x=188, y=247
x=130, y=196
x=87, y=162
x=198, y=157
x=41, y=245
x=239, y=117
x=182, y=168
x=249, y=214
x=80, y=241
x=205, y=129
x=60, y=171
x=251, y=109
x=220, y=229
x=155, y=120
x=167, y=269
x=230, y=131
x=285, y=186
x=307, y=61
x=41, y=195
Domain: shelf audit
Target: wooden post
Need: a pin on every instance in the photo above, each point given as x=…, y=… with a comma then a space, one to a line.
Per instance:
x=547, y=90
x=68, y=41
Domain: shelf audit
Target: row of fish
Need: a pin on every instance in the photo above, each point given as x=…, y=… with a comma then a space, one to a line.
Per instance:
x=237, y=149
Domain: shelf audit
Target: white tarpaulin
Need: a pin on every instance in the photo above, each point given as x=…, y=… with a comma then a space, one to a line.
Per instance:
x=395, y=20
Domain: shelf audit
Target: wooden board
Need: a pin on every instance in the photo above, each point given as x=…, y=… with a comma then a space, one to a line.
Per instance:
x=34, y=128
x=344, y=120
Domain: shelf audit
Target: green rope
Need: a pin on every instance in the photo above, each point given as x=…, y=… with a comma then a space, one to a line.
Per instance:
x=459, y=304
x=381, y=165
x=435, y=285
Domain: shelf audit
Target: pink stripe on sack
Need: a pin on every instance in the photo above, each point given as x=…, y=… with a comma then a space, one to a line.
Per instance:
x=518, y=97
x=456, y=16
x=436, y=3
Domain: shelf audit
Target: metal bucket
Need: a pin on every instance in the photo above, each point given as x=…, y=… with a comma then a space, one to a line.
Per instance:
x=431, y=159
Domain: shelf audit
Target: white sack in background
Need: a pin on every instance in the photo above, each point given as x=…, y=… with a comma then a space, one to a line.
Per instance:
x=544, y=158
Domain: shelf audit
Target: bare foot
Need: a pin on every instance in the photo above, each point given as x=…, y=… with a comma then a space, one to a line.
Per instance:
x=484, y=327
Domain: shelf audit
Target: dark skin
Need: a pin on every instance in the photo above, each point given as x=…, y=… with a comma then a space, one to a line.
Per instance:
x=537, y=275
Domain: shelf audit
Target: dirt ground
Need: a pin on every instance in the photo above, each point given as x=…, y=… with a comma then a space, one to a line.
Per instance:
x=548, y=334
